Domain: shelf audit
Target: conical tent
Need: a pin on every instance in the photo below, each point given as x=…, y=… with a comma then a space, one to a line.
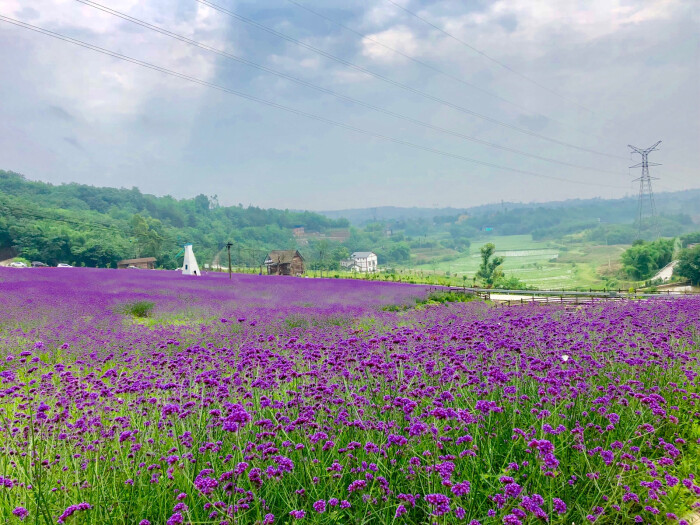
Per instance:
x=189, y=265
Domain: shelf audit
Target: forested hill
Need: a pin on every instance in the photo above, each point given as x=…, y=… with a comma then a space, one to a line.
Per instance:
x=608, y=210
x=98, y=226
x=82, y=224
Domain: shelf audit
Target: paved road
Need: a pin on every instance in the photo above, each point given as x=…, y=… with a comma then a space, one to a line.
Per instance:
x=666, y=272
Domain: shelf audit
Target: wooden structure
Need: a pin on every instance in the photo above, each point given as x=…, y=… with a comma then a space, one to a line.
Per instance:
x=144, y=263
x=284, y=262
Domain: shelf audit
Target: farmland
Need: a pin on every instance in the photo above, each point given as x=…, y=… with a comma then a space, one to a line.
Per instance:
x=540, y=264
x=143, y=397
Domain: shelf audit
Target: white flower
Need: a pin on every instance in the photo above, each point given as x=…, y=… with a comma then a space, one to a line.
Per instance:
x=564, y=358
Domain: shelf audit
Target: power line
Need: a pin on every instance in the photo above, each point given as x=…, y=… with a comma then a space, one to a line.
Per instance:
x=285, y=108
x=401, y=85
x=488, y=57
x=415, y=60
x=340, y=96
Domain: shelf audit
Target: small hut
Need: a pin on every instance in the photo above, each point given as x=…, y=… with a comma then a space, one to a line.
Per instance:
x=189, y=264
x=284, y=262
x=144, y=263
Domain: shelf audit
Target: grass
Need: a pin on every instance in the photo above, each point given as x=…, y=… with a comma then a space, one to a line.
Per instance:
x=540, y=264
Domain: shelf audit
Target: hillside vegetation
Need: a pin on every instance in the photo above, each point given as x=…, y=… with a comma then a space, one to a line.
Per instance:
x=557, y=244
x=92, y=226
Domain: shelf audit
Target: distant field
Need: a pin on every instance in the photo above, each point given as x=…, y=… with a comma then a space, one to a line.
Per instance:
x=542, y=264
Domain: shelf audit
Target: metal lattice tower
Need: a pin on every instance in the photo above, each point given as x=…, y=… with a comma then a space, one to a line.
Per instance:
x=647, y=207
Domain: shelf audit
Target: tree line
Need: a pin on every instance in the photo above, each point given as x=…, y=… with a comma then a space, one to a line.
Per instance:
x=90, y=226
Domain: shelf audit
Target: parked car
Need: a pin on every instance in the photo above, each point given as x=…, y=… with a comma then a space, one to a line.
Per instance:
x=39, y=264
x=17, y=264
x=63, y=265
x=132, y=267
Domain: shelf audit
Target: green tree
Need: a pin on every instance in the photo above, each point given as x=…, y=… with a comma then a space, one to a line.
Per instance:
x=489, y=271
x=644, y=259
x=689, y=265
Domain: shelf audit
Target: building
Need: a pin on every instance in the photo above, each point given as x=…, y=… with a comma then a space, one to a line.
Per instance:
x=361, y=262
x=284, y=262
x=144, y=263
x=189, y=263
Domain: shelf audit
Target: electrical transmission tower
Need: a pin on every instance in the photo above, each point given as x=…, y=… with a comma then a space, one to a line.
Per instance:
x=647, y=207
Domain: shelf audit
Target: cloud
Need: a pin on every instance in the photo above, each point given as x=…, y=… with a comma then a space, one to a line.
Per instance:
x=632, y=61
x=60, y=113
x=400, y=38
x=97, y=84
x=74, y=142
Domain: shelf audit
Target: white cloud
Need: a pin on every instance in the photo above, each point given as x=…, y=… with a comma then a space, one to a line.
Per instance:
x=381, y=13
x=400, y=38
x=95, y=83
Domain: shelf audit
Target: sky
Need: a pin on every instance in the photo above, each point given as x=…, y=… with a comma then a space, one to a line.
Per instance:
x=389, y=108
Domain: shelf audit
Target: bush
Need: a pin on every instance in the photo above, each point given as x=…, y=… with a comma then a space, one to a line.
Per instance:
x=447, y=297
x=138, y=308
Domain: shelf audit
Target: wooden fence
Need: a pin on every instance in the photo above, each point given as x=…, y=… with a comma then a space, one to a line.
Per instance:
x=522, y=297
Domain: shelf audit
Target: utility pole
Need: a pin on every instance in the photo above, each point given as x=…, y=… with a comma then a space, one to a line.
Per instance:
x=646, y=195
x=228, y=248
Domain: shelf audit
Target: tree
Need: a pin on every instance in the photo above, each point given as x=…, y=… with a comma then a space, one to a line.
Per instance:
x=644, y=259
x=689, y=265
x=489, y=270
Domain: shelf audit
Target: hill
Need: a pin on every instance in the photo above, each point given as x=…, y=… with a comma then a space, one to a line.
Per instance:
x=91, y=226
x=609, y=210
x=99, y=226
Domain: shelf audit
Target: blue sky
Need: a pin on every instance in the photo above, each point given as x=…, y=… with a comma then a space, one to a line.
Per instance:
x=73, y=115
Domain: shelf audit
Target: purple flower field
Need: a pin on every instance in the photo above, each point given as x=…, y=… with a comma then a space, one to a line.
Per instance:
x=145, y=397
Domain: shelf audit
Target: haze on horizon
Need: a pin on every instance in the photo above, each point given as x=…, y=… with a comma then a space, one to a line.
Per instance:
x=625, y=72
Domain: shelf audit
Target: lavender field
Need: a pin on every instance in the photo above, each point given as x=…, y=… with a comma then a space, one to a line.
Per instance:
x=144, y=397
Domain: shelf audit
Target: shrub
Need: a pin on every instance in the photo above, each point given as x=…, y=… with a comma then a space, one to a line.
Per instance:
x=138, y=308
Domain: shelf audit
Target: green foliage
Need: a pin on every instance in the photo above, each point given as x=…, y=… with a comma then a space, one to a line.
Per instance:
x=644, y=259
x=509, y=283
x=688, y=266
x=690, y=238
x=489, y=270
x=447, y=297
x=84, y=225
x=139, y=309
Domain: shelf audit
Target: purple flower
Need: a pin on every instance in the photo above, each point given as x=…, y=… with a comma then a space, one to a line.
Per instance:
x=21, y=513
x=358, y=484
x=461, y=489
x=297, y=514
x=72, y=509
x=559, y=506
x=320, y=506
x=440, y=502
x=175, y=519
x=400, y=511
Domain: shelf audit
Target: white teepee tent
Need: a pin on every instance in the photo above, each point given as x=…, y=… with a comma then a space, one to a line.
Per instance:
x=189, y=265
